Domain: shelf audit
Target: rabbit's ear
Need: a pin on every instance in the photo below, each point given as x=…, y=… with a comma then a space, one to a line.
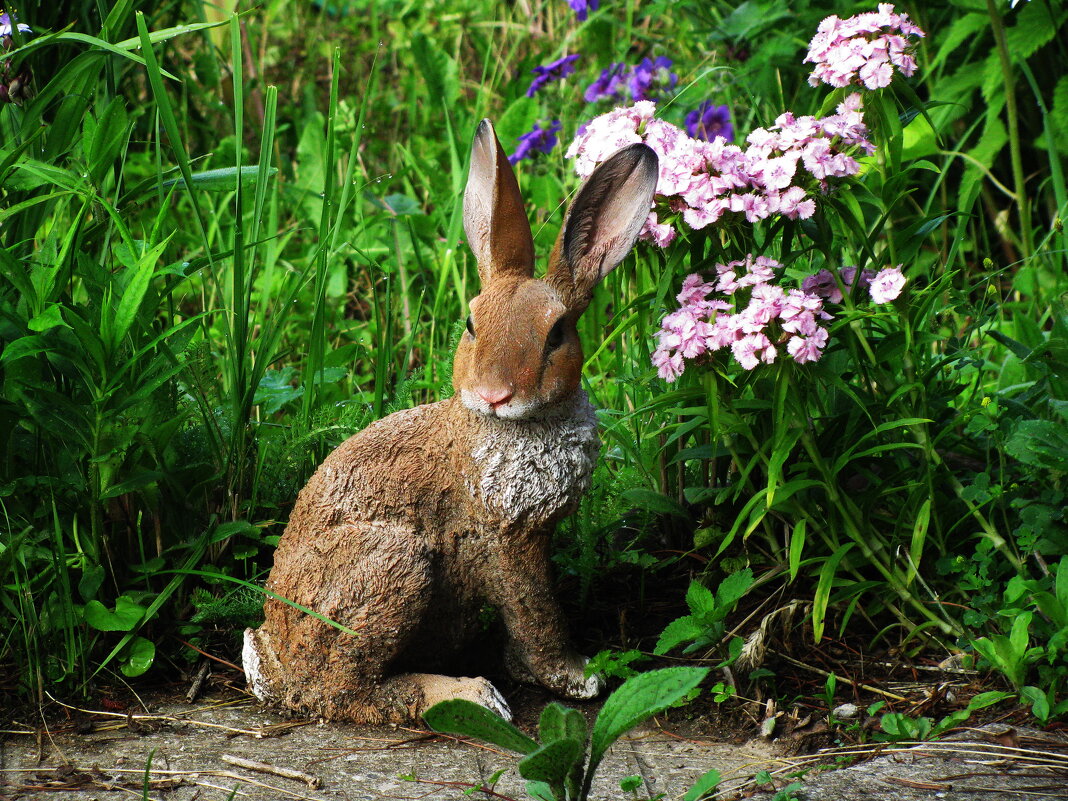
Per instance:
x=494, y=218
x=603, y=222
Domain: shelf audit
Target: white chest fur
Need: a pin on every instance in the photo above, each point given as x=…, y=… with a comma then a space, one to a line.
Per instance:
x=533, y=470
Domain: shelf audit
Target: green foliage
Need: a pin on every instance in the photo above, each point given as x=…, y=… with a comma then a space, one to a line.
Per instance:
x=561, y=765
x=704, y=626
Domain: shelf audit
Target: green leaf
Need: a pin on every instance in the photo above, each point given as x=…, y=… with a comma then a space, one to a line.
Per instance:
x=703, y=786
x=635, y=701
x=125, y=616
x=680, y=630
x=51, y=317
x=700, y=600
x=552, y=762
x=655, y=502
x=732, y=589
x=223, y=179
x=134, y=293
x=140, y=655
x=438, y=68
x=797, y=547
x=459, y=716
x=558, y=722
x=823, y=590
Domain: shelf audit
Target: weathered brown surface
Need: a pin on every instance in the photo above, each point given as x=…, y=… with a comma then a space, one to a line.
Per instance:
x=411, y=526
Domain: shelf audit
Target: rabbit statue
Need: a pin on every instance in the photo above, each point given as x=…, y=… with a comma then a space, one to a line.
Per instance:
x=408, y=528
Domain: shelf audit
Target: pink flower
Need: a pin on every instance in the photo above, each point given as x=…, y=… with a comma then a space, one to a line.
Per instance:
x=887, y=284
x=862, y=49
x=807, y=349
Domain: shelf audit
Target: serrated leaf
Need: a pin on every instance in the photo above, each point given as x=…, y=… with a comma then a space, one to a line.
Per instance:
x=459, y=716
x=635, y=701
x=700, y=600
x=732, y=589
x=683, y=629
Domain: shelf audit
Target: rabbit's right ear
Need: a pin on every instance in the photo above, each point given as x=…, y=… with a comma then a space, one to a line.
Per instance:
x=602, y=223
x=494, y=218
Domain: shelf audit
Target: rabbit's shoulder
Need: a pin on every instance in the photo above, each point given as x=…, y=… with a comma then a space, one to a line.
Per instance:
x=534, y=471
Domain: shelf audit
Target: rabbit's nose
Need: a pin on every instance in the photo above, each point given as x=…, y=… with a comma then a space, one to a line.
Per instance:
x=495, y=396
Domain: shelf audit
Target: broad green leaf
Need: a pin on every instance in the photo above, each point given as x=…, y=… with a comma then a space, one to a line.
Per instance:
x=552, y=762
x=637, y=700
x=140, y=656
x=704, y=786
x=124, y=617
x=558, y=722
x=459, y=716
x=51, y=317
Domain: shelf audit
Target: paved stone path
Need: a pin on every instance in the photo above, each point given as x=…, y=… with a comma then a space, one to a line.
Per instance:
x=104, y=759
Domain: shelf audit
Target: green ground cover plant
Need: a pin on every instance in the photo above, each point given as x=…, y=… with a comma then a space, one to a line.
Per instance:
x=231, y=237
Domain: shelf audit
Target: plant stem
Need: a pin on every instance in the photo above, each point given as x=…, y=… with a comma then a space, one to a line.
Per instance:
x=1018, y=178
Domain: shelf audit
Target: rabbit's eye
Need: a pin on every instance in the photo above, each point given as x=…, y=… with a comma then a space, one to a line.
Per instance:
x=470, y=327
x=556, y=335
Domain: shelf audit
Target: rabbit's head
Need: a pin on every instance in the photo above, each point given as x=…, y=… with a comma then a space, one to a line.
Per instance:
x=520, y=355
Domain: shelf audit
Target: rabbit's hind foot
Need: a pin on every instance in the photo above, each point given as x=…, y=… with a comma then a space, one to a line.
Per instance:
x=435, y=688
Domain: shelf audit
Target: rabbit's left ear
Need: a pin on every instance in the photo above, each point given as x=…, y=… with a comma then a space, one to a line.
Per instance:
x=602, y=223
x=494, y=218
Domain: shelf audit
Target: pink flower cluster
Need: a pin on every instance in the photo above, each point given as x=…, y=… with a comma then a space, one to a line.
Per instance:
x=771, y=318
x=883, y=286
x=701, y=181
x=863, y=49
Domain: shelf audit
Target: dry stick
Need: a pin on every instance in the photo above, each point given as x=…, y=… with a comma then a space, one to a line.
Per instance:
x=198, y=682
x=825, y=673
x=314, y=782
x=259, y=734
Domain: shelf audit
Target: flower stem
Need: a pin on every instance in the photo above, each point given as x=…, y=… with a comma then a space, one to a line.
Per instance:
x=1019, y=181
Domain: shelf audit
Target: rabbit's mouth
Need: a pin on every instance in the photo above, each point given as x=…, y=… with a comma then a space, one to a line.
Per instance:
x=512, y=409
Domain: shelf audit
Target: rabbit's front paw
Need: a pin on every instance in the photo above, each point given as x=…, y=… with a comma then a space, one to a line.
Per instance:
x=587, y=686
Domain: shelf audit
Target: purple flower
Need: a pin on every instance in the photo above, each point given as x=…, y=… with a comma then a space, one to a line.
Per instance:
x=539, y=140
x=6, y=28
x=553, y=71
x=608, y=86
x=708, y=121
x=14, y=83
x=582, y=8
x=650, y=77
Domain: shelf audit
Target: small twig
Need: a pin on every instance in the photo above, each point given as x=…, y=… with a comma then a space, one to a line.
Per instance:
x=314, y=782
x=825, y=673
x=194, y=689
